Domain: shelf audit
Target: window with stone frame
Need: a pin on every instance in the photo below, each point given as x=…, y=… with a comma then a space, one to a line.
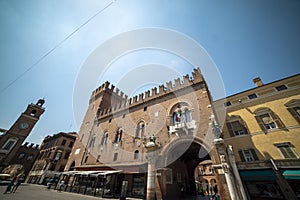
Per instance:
x=9, y=144
x=92, y=141
x=180, y=115
x=118, y=136
x=136, y=154
x=236, y=126
x=286, y=150
x=248, y=155
x=267, y=119
x=140, y=130
x=104, y=138
x=293, y=107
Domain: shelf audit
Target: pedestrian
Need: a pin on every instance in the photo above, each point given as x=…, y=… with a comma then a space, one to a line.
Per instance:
x=61, y=185
x=9, y=186
x=50, y=183
x=16, y=185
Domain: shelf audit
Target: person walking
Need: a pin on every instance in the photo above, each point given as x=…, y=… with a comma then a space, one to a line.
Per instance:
x=9, y=186
x=61, y=184
x=16, y=185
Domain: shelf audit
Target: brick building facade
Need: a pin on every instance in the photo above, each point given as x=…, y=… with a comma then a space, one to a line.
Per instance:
x=11, y=149
x=53, y=155
x=152, y=142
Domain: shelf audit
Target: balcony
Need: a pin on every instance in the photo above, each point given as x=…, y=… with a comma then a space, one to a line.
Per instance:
x=182, y=127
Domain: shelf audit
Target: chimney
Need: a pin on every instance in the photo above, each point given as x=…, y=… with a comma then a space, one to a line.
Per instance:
x=258, y=82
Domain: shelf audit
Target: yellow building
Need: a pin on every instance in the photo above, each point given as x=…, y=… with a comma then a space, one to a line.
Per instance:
x=262, y=127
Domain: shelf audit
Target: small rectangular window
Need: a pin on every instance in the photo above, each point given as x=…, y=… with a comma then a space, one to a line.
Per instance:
x=115, y=156
x=67, y=154
x=281, y=87
x=252, y=96
x=109, y=121
x=123, y=115
x=228, y=103
x=145, y=108
x=71, y=144
x=63, y=142
x=9, y=145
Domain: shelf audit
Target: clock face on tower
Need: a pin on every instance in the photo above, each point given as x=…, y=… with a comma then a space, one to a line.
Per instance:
x=23, y=125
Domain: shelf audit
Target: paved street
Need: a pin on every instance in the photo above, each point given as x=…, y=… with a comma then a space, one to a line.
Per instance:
x=39, y=192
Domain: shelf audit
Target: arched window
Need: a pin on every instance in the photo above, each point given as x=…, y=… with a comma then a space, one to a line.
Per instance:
x=136, y=154
x=293, y=107
x=92, y=141
x=140, y=130
x=178, y=116
x=187, y=115
x=267, y=119
x=181, y=115
x=118, y=137
x=104, y=138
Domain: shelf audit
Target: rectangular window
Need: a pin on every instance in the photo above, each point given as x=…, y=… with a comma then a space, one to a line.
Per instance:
x=281, y=87
x=71, y=144
x=236, y=128
x=115, y=156
x=228, y=103
x=248, y=155
x=286, y=150
x=67, y=154
x=9, y=145
x=267, y=121
x=252, y=96
x=63, y=142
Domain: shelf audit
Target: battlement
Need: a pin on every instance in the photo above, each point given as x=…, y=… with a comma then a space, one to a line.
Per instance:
x=30, y=146
x=108, y=88
x=148, y=95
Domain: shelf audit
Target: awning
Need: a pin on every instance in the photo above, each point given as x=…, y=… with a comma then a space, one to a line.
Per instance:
x=291, y=174
x=92, y=173
x=258, y=175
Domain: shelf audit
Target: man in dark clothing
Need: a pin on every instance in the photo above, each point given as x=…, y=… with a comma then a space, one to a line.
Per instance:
x=16, y=185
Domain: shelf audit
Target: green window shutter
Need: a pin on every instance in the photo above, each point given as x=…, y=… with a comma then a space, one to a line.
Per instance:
x=245, y=128
x=230, y=130
x=276, y=119
x=294, y=113
x=242, y=156
x=254, y=154
x=261, y=123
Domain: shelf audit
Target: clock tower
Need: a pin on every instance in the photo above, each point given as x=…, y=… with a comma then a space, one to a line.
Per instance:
x=12, y=139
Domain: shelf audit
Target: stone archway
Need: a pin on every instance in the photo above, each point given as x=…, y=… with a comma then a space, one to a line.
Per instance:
x=178, y=177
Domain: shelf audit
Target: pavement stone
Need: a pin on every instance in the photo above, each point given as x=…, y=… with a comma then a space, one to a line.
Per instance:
x=39, y=192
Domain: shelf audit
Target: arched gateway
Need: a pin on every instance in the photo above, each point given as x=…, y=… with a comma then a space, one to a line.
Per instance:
x=181, y=158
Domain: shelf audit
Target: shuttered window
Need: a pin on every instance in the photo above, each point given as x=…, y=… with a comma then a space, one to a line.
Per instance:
x=286, y=150
x=237, y=127
x=248, y=155
x=295, y=112
x=268, y=120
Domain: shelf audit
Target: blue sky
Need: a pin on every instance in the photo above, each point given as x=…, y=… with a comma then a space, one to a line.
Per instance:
x=245, y=39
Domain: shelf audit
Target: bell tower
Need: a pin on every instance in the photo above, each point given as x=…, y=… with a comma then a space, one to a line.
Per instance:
x=12, y=139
